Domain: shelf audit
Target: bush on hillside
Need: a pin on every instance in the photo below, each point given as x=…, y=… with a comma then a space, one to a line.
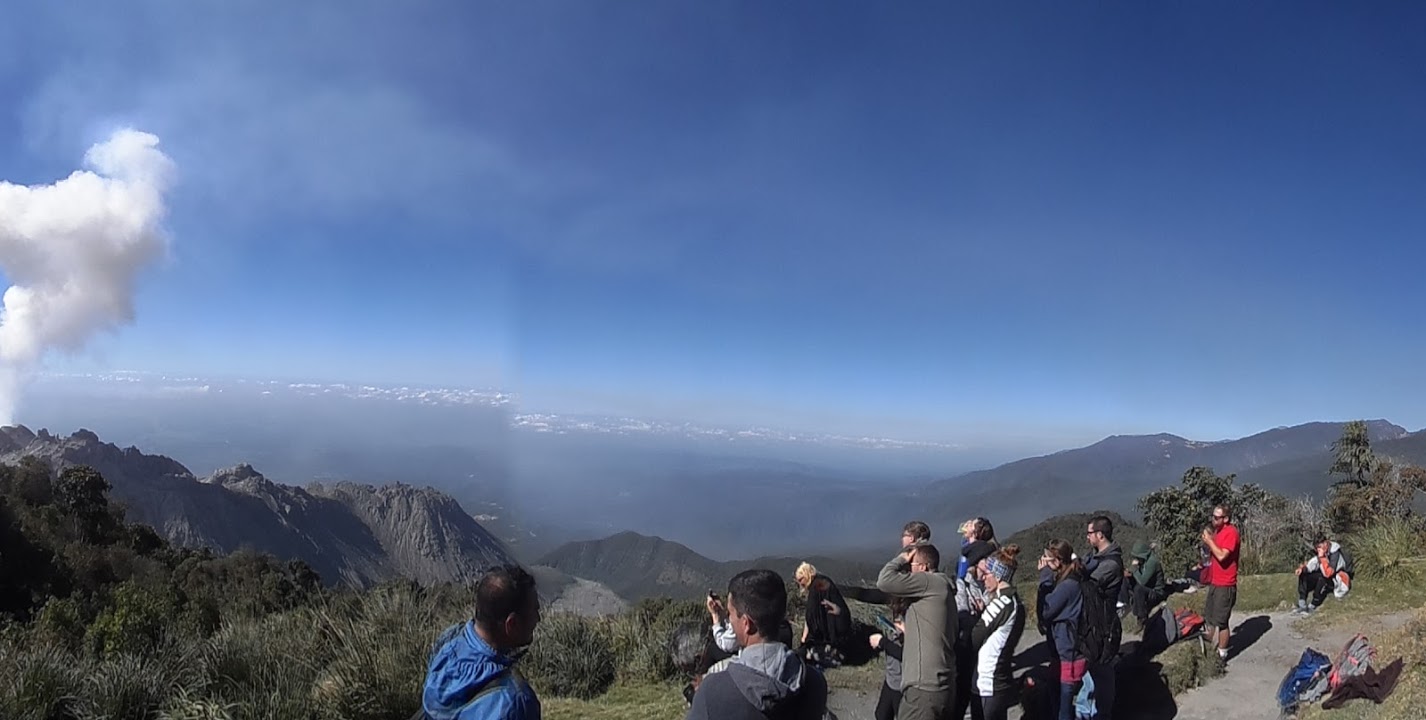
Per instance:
x=378, y=654
x=185, y=706
x=641, y=635
x=135, y=621
x=1178, y=514
x=265, y=667
x=572, y=656
x=1383, y=550
x=37, y=681
x=134, y=686
x=1277, y=533
x=1385, y=493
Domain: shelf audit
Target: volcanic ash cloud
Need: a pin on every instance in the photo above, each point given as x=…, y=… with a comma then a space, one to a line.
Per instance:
x=72, y=252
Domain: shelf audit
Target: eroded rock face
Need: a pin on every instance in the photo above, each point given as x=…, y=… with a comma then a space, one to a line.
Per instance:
x=348, y=532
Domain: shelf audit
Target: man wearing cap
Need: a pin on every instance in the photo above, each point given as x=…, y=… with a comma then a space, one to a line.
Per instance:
x=1144, y=582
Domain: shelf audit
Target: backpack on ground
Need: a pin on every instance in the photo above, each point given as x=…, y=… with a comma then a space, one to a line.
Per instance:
x=1099, y=628
x=1168, y=626
x=1356, y=656
x=1305, y=683
x=1186, y=623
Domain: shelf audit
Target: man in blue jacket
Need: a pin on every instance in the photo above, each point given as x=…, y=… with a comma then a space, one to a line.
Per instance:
x=472, y=673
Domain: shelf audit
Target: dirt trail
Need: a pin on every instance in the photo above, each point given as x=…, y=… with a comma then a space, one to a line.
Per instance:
x=1275, y=642
x=1247, y=691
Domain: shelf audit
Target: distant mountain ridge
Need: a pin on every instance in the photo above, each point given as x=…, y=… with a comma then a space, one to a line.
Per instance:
x=1309, y=474
x=1114, y=472
x=637, y=566
x=348, y=532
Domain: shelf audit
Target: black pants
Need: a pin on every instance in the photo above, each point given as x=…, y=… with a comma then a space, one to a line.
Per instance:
x=888, y=703
x=1312, y=582
x=1140, y=599
x=993, y=707
x=964, y=691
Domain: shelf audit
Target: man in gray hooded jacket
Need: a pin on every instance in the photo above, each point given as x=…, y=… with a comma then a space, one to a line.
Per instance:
x=765, y=679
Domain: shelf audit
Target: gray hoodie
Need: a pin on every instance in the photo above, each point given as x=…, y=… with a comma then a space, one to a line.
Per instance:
x=766, y=680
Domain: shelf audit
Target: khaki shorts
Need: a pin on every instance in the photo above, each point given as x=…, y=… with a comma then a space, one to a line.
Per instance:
x=1218, y=606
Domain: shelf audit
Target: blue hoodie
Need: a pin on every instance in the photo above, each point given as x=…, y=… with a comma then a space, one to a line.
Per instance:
x=468, y=680
x=1060, y=607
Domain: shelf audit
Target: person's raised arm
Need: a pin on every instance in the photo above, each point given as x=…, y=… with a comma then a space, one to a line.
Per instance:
x=896, y=577
x=1218, y=552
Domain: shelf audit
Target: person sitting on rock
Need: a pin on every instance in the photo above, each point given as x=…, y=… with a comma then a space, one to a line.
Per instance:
x=1329, y=570
x=1144, y=584
x=829, y=619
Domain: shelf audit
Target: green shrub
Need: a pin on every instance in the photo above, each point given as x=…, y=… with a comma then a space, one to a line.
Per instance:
x=60, y=623
x=379, y=649
x=640, y=638
x=131, y=686
x=265, y=667
x=134, y=623
x=1187, y=665
x=38, y=681
x=1383, y=550
x=572, y=656
x=184, y=706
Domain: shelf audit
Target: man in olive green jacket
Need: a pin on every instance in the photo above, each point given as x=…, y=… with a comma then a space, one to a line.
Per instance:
x=928, y=661
x=1144, y=584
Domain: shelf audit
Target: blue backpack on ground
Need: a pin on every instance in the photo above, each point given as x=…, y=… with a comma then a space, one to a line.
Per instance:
x=1305, y=683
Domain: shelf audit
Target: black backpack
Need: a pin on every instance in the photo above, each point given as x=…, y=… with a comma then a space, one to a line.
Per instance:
x=1099, y=628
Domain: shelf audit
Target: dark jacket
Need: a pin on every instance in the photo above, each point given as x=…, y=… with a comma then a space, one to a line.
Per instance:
x=766, y=680
x=1107, y=568
x=823, y=627
x=1060, y=611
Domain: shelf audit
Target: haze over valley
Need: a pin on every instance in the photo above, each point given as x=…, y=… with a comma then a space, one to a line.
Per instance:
x=540, y=482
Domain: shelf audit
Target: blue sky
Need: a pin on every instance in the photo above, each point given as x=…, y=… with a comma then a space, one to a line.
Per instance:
x=947, y=221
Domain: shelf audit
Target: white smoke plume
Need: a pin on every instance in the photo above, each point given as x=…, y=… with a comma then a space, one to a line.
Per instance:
x=72, y=252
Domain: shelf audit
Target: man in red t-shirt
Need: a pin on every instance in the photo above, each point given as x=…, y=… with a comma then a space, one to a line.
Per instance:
x=1221, y=576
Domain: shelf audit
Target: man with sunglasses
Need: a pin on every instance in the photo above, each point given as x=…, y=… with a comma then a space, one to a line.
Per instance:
x=1105, y=565
x=1221, y=576
x=928, y=668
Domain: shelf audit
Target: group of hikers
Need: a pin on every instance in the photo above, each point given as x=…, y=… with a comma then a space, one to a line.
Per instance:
x=949, y=640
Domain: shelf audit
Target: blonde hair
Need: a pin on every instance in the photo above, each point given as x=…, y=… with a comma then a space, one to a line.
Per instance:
x=805, y=573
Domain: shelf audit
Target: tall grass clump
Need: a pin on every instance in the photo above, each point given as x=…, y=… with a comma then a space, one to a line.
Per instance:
x=186, y=706
x=572, y=656
x=37, y=681
x=1384, y=550
x=641, y=638
x=379, y=650
x=131, y=686
x=259, y=669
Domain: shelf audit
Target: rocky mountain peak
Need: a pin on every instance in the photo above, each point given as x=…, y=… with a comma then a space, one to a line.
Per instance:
x=359, y=534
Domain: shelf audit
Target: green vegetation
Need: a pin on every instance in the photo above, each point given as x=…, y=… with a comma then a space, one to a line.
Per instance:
x=101, y=618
